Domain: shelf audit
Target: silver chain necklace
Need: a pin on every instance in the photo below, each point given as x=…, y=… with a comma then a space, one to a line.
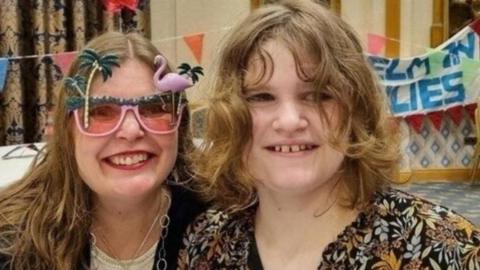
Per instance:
x=163, y=220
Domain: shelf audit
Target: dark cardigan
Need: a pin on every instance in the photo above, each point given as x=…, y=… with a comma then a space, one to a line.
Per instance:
x=184, y=208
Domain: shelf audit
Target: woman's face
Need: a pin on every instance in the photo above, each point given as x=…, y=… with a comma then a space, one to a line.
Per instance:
x=289, y=152
x=131, y=162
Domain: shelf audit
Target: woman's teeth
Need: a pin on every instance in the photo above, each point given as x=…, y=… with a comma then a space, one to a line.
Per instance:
x=126, y=160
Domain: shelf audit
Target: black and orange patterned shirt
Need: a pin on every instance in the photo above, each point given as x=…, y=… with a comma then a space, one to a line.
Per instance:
x=397, y=231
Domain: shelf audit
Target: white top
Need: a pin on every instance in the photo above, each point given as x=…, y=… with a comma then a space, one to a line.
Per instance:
x=13, y=168
x=101, y=261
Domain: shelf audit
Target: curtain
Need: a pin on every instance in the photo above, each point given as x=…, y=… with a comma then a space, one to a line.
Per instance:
x=33, y=33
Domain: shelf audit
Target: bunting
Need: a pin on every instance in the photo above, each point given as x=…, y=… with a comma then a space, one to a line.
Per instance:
x=3, y=72
x=440, y=80
x=455, y=114
x=375, y=43
x=195, y=43
x=64, y=60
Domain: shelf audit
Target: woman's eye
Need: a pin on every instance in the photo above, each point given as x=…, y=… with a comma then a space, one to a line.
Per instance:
x=260, y=97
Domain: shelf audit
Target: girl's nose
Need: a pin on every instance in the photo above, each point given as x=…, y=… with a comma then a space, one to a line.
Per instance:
x=290, y=118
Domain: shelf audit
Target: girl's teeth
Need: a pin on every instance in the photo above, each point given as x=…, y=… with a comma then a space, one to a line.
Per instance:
x=292, y=148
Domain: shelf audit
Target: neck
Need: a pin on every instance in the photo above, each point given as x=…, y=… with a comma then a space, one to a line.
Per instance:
x=114, y=220
x=299, y=226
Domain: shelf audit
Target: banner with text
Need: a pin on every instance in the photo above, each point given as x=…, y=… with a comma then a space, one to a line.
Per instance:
x=445, y=77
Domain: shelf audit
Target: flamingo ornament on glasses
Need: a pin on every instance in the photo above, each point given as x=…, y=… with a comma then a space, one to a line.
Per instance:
x=174, y=82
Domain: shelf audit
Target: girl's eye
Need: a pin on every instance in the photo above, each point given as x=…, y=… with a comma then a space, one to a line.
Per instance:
x=317, y=97
x=324, y=97
x=310, y=96
x=260, y=97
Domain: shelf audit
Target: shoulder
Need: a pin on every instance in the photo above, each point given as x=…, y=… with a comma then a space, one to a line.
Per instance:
x=214, y=222
x=185, y=206
x=393, y=204
x=420, y=230
x=217, y=239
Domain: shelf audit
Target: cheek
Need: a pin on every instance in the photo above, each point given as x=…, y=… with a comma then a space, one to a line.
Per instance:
x=169, y=145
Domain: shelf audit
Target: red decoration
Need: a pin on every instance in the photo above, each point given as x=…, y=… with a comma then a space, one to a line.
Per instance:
x=64, y=60
x=455, y=114
x=117, y=5
x=470, y=108
x=415, y=121
x=376, y=43
x=436, y=118
x=195, y=43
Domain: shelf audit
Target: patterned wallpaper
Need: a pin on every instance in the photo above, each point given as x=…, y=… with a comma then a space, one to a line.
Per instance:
x=437, y=149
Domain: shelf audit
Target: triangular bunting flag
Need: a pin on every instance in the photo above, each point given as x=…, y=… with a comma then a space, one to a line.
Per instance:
x=415, y=121
x=195, y=43
x=470, y=69
x=63, y=60
x=3, y=72
x=470, y=108
x=375, y=43
x=455, y=114
x=435, y=57
x=475, y=25
x=436, y=118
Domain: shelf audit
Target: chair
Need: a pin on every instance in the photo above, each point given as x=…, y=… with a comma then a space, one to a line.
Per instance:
x=476, y=154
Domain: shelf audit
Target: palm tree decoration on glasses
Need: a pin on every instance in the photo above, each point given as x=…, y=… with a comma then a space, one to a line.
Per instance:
x=90, y=62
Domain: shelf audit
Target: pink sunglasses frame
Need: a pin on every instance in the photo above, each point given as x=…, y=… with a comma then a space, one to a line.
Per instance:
x=125, y=109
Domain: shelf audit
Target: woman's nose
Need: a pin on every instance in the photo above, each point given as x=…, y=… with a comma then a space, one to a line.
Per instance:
x=130, y=128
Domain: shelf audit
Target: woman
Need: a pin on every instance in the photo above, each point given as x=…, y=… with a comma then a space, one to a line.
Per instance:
x=104, y=194
x=298, y=156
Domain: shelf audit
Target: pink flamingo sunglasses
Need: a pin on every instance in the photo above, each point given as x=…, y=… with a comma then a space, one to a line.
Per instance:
x=156, y=114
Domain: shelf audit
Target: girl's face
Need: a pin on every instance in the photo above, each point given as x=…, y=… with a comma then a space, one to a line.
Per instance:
x=289, y=152
x=131, y=162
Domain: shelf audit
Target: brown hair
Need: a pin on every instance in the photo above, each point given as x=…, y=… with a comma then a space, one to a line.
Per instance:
x=45, y=217
x=307, y=30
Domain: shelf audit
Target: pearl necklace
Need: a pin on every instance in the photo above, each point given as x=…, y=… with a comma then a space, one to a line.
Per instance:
x=163, y=220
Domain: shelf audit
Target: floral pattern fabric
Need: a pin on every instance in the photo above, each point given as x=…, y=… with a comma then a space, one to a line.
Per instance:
x=397, y=231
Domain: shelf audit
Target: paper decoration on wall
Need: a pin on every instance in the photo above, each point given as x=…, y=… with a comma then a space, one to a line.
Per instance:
x=375, y=43
x=471, y=110
x=63, y=60
x=436, y=118
x=117, y=5
x=3, y=72
x=195, y=43
x=415, y=121
x=456, y=114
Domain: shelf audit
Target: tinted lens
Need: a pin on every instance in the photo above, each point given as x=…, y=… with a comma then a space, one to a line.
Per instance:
x=158, y=116
x=102, y=118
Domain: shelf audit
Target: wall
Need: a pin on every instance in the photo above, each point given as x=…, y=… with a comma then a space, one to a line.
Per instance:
x=173, y=19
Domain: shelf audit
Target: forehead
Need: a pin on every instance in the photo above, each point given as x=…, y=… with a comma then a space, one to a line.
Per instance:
x=132, y=79
x=275, y=56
